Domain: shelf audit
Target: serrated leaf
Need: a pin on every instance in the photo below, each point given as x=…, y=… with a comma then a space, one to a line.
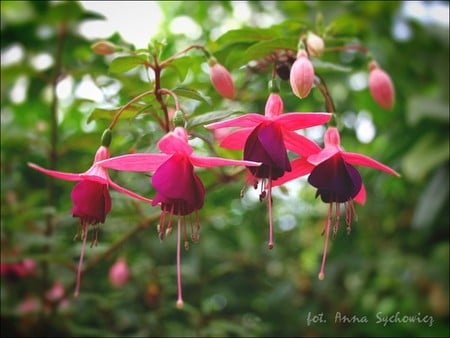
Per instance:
x=108, y=114
x=125, y=63
x=210, y=117
x=191, y=93
x=328, y=66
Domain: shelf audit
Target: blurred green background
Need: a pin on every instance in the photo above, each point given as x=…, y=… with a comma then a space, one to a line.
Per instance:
x=394, y=263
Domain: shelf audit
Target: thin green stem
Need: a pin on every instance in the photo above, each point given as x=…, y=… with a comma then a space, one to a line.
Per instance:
x=173, y=57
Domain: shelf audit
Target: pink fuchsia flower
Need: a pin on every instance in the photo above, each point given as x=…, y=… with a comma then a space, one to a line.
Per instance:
x=266, y=139
x=337, y=181
x=90, y=196
x=179, y=191
x=380, y=86
x=302, y=75
x=221, y=79
x=119, y=273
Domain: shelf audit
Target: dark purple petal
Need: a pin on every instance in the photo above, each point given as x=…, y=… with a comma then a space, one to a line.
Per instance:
x=265, y=144
x=91, y=201
x=177, y=185
x=335, y=180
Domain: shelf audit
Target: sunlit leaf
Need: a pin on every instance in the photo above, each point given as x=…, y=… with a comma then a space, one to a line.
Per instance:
x=210, y=117
x=125, y=63
x=108, y=114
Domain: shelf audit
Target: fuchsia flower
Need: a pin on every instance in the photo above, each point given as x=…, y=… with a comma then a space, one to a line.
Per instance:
x=90, y=196
x=179, y=191
x=266, y=139
x=302, y=75
x=337, y=181
x=380, y=86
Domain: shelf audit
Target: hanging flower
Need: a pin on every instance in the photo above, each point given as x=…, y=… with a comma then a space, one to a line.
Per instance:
x=91, y=198
x=179, y=191
x=380, y=86
x=221, y=79
x=266, y=139
x=302, y=75
x=337, y=181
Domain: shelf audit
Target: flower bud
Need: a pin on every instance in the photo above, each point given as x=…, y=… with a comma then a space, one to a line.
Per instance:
x=380, y=86
x=119, y=273
x=221, y=79
x=314, y=44
x=274, y=105
x=302, y=75
x=178, y=119
x=103, y=47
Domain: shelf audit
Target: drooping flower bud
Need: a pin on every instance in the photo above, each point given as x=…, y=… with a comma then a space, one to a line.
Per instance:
x=221, y=79
x=302, y=75
x=380, y=86
x=178, y=119
x=314, y=44
x=104, y=47
x=119, y=273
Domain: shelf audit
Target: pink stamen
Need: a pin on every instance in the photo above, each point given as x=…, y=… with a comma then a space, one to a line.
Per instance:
x=269, y=205
x=327, y=238
x=80, y=263
x=180, y=295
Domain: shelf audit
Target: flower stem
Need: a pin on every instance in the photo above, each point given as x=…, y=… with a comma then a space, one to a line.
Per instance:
x=360, y=48
x=173, y=57
x=116, y=117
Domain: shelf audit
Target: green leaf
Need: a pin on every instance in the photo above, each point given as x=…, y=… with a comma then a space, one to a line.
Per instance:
x=182, y=65
x=125, y=63
x=192, y=94
x=243, y=35
x=261, y=49
x=328, y=66
x=423, y=107
x=210, y=117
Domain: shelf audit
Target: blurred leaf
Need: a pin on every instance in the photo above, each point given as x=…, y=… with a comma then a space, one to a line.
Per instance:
x=264, y=48
x=125, y=63
x=424, y=107
x=108, y=114
x=320, y=65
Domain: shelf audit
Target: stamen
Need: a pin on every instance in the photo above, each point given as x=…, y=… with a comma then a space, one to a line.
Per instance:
x=186, y=241
x=80, y=263
x=337, y=218
x=162, y=221
x=180, y=296
x=269, y=205
x=325, y=249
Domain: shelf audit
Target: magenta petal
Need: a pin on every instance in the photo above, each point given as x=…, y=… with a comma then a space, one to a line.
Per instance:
x=207, y=162
x=236, y=140
x=134, y=162
x=247, y=120
x=128, y=192
x=361, y=196
x=91, y=202
x=172, y=143
x=295, y=121
x=177, y=184
x=300, y=167
x=57, y=174
x=358, y=159
x=323, y=155
x=300, y=144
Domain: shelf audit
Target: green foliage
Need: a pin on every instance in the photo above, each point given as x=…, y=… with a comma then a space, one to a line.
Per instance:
x=396, y=260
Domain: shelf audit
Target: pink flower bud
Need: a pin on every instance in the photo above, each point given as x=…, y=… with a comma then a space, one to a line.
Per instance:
x=380, y=86
x=302, y=75
x=221, y=79
x=119, y=273
x=274, y=105
x=55, y=293
x=314, y=44
x=103, y=47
